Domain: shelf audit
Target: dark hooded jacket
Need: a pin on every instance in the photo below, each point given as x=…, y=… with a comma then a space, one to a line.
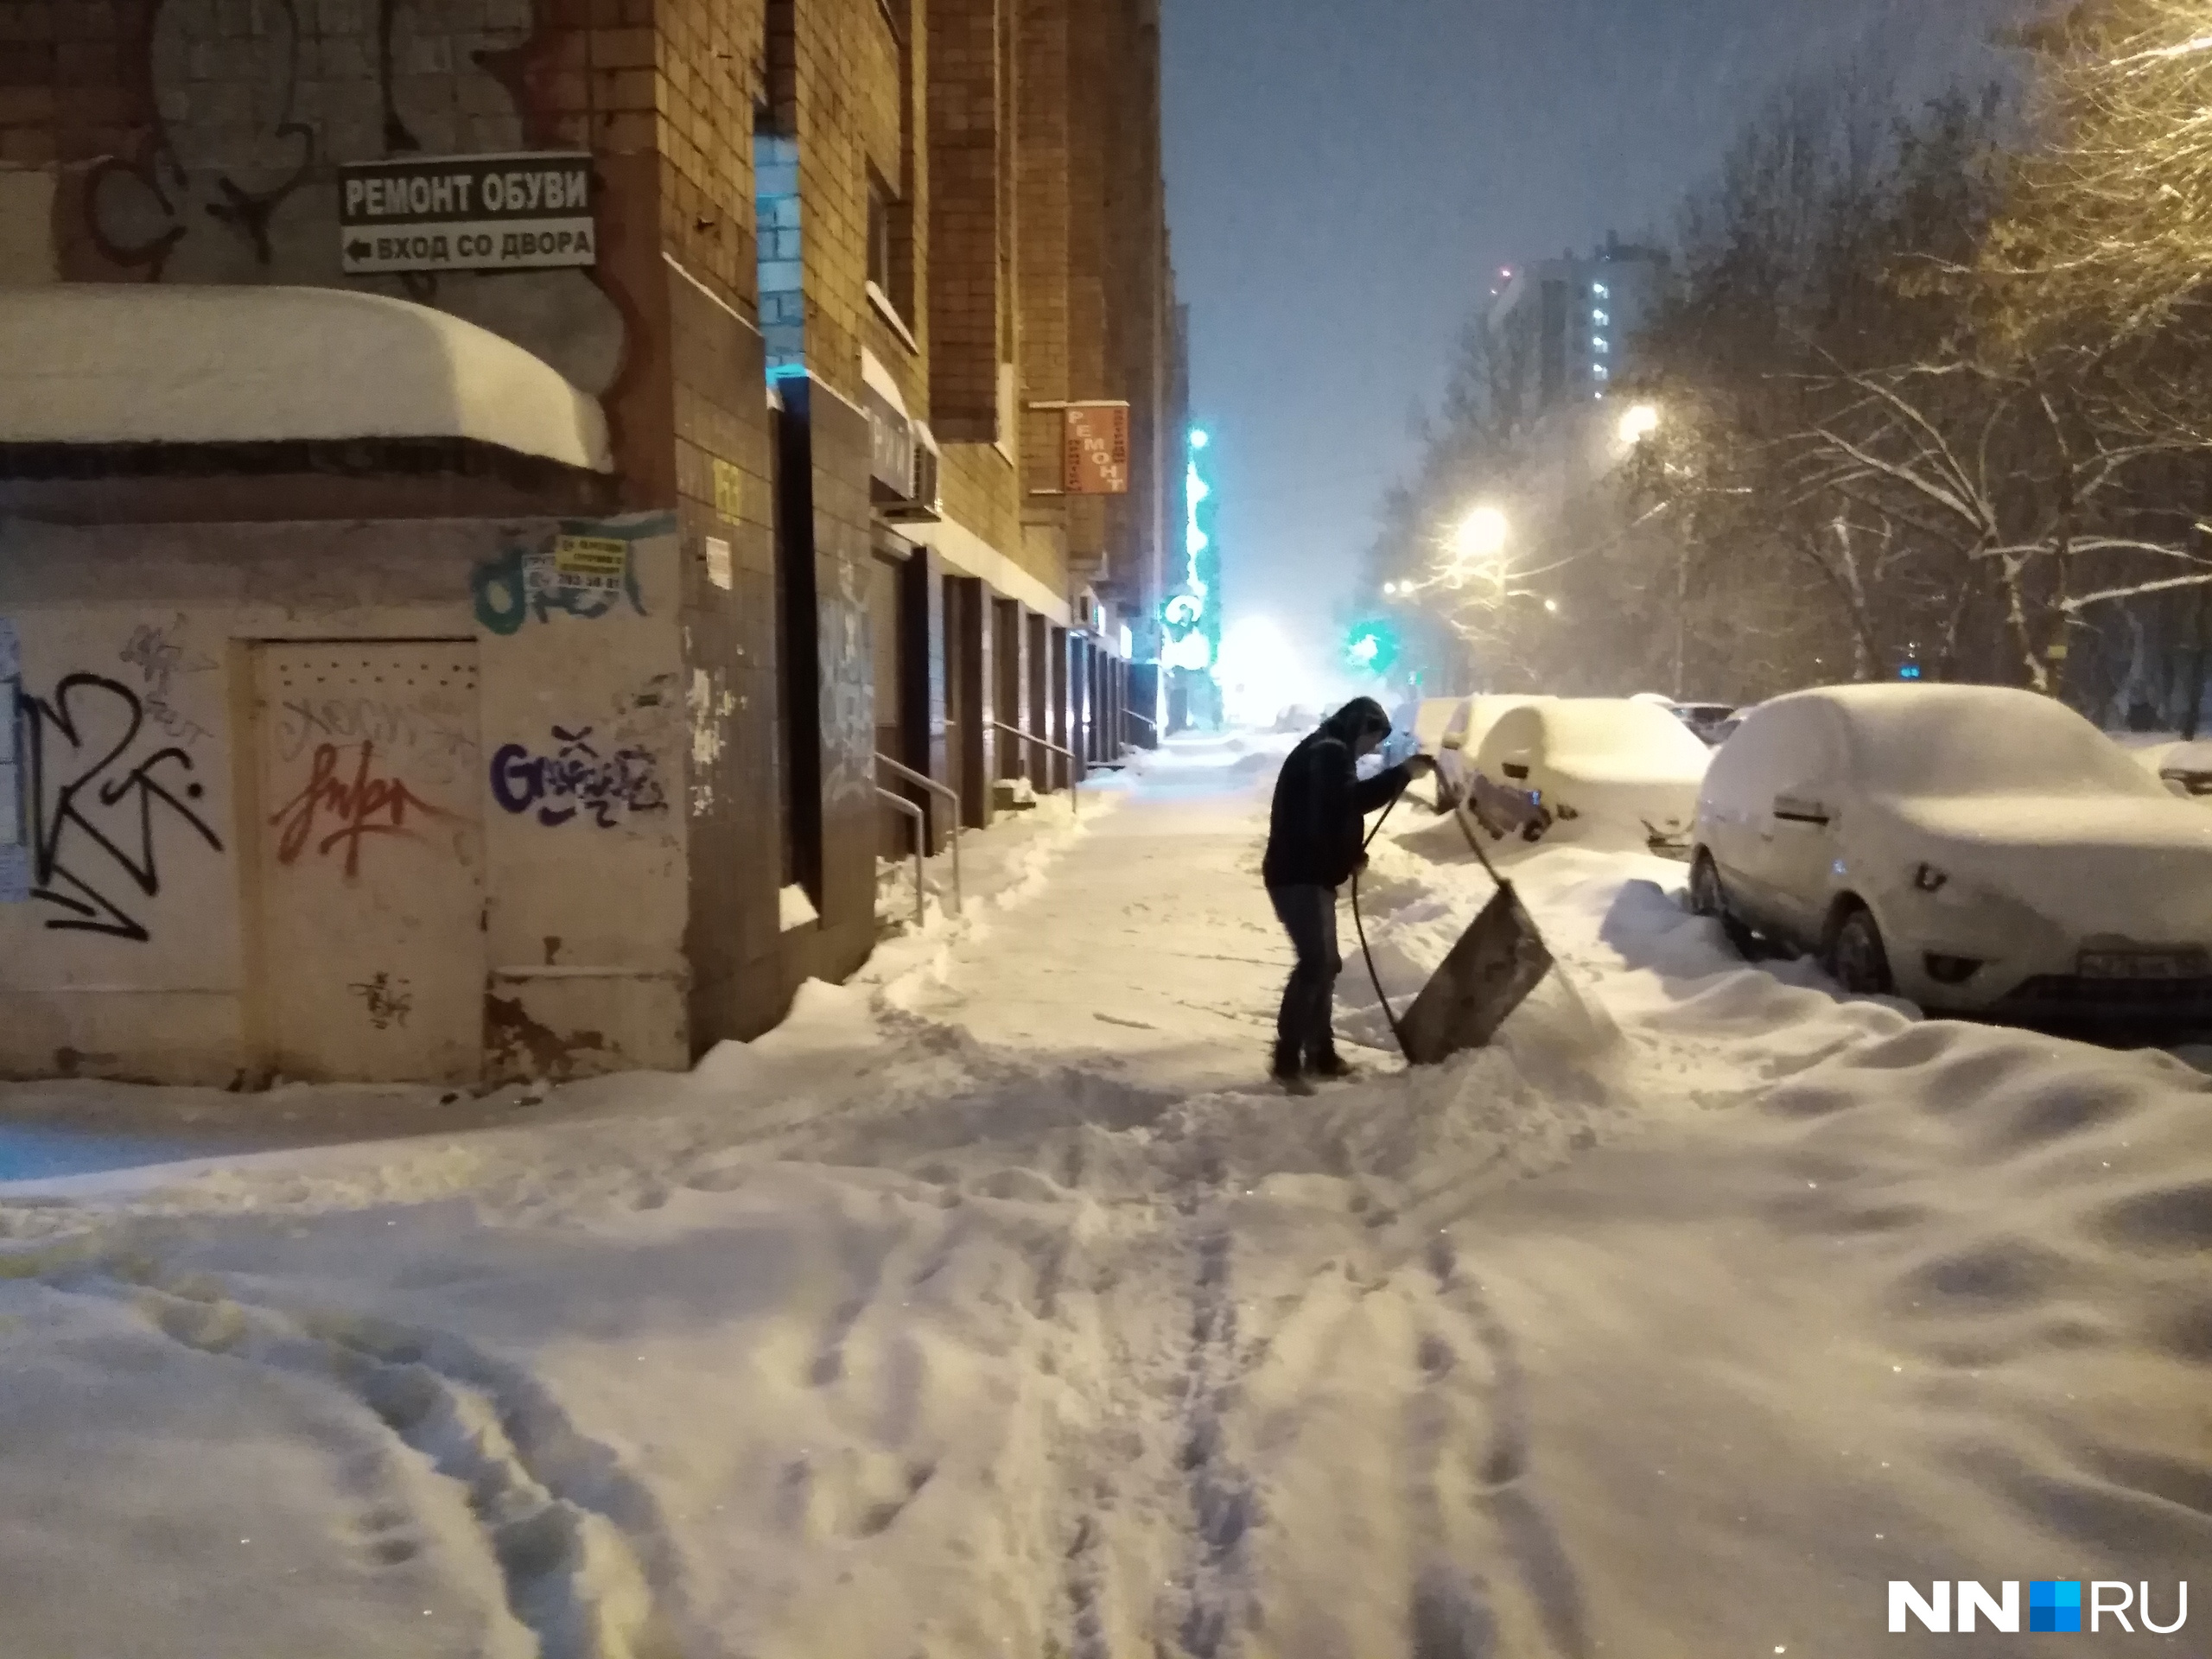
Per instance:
x=1314, y=832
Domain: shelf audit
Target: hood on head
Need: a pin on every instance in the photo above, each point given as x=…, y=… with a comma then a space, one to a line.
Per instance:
x=1355, y=720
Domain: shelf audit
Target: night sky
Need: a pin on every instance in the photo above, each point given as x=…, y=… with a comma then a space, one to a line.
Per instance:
x=1344, y=179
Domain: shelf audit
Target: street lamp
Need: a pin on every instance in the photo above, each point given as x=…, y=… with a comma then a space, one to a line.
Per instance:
x=1481, y=534
x=1639, y=423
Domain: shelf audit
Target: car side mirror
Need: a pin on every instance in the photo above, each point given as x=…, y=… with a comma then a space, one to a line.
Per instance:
x=1799, y=809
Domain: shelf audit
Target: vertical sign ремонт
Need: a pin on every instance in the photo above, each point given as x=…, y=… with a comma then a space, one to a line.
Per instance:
x=465, y=212
x=1097, y=453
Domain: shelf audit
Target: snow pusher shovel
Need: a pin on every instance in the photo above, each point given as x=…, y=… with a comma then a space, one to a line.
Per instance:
x=1498, y=961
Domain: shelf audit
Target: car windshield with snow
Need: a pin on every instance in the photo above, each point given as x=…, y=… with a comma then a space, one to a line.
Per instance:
x=1977, y=849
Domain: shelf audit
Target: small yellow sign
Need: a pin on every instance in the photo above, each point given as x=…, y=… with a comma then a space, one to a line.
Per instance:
x=729, y=491
x=591, y=561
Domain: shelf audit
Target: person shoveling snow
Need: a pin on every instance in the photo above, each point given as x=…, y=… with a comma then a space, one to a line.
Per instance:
x=1313, y=847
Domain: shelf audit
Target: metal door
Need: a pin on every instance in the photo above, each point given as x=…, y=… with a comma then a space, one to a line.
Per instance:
x=369, y=861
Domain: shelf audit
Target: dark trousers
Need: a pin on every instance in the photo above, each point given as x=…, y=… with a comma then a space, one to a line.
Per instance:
x=1309, y=916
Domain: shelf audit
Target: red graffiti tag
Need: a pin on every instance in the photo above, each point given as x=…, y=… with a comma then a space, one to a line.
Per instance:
x=367, y=806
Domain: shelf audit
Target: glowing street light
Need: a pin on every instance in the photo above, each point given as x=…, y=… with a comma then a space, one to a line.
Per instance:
x=1481, y=534
x=1639, y=423
x=1552, y=604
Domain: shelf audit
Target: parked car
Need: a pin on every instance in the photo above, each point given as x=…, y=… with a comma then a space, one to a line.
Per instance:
x=1976, y=849
x=1463, y=740
x=1616, y=768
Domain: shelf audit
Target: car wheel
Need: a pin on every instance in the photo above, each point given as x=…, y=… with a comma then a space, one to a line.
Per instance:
x=1857, y=958
x=1708, y=898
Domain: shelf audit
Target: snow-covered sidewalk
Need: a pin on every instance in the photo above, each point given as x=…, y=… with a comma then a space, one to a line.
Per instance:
x=995, y=1306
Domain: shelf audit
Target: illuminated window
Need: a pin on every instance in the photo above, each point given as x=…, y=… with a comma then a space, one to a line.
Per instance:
x=1601, y=291
x=1601, y=372
x=1602, y=345
x=1600, y=318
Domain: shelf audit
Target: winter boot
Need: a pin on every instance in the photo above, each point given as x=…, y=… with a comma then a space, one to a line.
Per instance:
x=1288, y=1073
x=1331, y=1066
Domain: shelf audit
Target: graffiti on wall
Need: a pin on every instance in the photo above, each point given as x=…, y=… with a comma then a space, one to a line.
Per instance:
x=433, y=733
x=234, y=180
x=848, y=695
x=577, y=779
x=334, y=812
x=162, y=660
x=388, y=1001
x=103, y=807
x=540, y=582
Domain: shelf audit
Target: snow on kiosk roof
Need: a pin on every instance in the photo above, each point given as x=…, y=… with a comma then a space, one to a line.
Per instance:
x=84, y=363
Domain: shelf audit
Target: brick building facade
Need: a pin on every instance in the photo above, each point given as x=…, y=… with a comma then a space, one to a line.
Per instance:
x=848, y=259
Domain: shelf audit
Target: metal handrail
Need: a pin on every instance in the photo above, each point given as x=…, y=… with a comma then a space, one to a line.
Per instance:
x=1150, y=724
x=924, y=781
x=1075, y=766
x=921, y=842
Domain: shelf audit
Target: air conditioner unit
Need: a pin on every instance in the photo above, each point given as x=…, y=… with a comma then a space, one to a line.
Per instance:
x=924, y=503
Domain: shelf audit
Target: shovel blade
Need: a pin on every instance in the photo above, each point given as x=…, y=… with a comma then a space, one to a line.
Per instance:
x=1498, y=961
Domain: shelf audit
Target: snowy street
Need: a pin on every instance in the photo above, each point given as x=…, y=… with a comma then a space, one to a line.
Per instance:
x=995, y=1304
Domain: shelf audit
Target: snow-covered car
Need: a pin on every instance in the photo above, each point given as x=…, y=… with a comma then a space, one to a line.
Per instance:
x=1976, y=849
x=1616, y=768
x=1463, y=738
x=1431, y=721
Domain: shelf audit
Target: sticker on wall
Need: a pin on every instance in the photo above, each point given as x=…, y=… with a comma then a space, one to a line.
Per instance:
x=589, y=570
x=594, y=563
x=718, y=563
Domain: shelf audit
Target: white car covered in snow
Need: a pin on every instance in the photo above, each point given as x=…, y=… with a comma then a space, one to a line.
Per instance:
x=1462, y=739
x=1976, y=849
x=1618, y=768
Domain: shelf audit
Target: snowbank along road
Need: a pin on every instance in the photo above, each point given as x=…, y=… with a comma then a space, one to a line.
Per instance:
x=995, y=1306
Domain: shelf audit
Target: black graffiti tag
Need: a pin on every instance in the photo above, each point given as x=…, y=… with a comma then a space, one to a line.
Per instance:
x=575, y=777
x=77, y=851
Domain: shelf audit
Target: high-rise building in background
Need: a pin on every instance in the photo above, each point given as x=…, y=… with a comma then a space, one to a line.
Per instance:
x=1563, y=331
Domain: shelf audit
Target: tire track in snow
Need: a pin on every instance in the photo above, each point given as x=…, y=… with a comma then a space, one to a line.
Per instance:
x=572, y=1535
